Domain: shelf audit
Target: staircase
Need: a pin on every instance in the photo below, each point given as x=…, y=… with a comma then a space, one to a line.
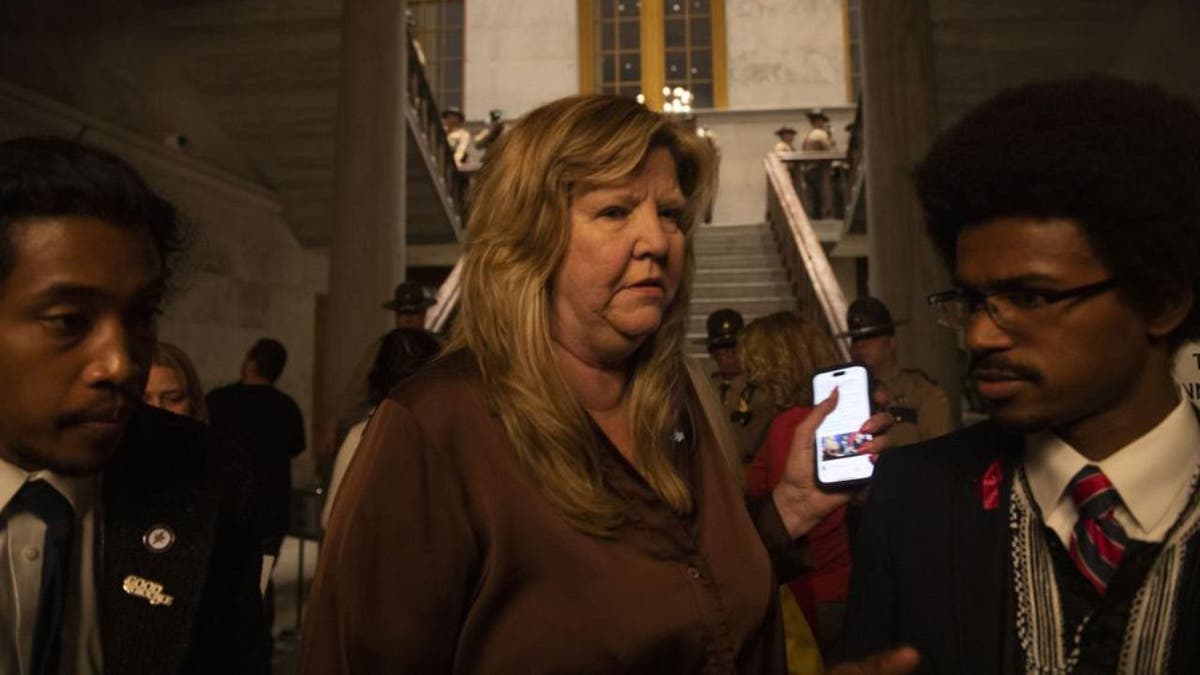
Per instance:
x=739, y=267
x=758, y=269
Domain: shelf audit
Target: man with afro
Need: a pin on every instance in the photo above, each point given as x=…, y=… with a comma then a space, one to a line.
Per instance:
x=1063, y=534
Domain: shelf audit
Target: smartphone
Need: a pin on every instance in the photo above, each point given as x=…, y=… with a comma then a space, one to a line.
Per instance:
x=838, y=440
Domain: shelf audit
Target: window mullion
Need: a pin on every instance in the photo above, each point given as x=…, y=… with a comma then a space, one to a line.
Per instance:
x=654, y=64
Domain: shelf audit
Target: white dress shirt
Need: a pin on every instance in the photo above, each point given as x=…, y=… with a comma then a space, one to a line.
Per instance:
x=1152, y=475
x=22, y=537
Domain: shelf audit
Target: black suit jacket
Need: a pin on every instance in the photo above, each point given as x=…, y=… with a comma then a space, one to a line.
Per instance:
x=172, y=471
x=931, y=564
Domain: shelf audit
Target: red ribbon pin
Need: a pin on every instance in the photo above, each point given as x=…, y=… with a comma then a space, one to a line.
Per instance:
x=989, y=487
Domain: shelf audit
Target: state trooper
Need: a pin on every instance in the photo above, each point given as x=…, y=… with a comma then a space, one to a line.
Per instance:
x=723, y=326
x=920, y=407
x=748, y=410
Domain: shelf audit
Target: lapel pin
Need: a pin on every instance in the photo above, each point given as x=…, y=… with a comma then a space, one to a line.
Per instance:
x=989, y=486
x=158, y=538
x=151, y=591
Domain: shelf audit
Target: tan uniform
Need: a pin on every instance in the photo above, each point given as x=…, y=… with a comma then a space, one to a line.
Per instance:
x=921, y=407
x=460, y=143
x=749, y=413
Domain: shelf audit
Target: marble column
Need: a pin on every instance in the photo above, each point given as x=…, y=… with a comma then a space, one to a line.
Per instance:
x=900, y=122
x=366, y=255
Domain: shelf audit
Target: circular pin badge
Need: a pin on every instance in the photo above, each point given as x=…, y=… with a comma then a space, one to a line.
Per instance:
x=158, y=538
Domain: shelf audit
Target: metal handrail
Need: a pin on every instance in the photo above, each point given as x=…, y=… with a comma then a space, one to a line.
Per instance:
x=439, y=314
x=814, y=284
x=450, y=184
x=425, y=120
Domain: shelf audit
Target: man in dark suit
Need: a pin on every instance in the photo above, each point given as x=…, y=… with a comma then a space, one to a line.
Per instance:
x=127, y=542
x=1059, y=536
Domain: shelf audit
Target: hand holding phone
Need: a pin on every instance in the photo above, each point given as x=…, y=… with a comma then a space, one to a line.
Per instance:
x=839, y=440
x=800, y=499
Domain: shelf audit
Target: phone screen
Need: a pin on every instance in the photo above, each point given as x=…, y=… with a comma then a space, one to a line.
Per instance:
x=838, y=438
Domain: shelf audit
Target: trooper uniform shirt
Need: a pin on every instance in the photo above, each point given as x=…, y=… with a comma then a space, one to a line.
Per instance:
x=749, y=412
x=920, y=407
x=728, y=388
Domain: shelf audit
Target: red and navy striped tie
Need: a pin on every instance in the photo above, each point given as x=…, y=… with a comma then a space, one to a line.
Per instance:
x=1098, y=541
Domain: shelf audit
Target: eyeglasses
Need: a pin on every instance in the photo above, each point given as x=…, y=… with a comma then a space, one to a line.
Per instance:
x=1010, y=310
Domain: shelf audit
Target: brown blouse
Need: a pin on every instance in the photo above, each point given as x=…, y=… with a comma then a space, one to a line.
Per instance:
x=442, y=557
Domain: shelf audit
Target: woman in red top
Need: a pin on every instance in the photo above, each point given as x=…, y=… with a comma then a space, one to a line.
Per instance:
x=780, y=352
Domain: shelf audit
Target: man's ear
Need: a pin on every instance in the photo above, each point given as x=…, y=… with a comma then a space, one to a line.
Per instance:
x=1172, y=309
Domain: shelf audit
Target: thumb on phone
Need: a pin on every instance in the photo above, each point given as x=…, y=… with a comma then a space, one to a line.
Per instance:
x=821, y=410
x=800, y=458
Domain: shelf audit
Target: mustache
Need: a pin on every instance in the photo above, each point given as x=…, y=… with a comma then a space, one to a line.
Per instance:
x=112, y=408
x=998, y=367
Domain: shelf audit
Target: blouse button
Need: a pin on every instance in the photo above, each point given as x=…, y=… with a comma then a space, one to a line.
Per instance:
x=31, y=553
x=693, y=573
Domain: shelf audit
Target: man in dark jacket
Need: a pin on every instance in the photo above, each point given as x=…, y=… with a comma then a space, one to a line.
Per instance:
x=1061, y=535
x=127, y=541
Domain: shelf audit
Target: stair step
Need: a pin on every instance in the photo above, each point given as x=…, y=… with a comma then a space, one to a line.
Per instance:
x=740, y=261
x=703, y=237
x=743, y=228
x=735, y=247
x=740, y=275
x=740, y=267
x=747, y=306
x=742, y=289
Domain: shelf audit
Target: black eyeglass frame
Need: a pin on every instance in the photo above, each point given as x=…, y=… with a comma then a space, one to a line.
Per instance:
x=974, y=300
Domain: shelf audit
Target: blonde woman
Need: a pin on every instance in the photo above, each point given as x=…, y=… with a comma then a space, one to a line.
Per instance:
x=173, y=383
x=548, y=497
x=781, y=352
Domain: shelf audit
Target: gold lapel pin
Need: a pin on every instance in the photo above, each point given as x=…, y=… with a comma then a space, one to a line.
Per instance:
x=151, y=591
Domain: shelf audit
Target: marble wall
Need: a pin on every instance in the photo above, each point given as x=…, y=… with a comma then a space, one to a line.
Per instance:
x=780, y=54
x=745, y=137
x=786, y=53
x=519, y=54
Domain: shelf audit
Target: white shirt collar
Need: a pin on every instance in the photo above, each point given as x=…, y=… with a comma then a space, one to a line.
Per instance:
x=1148, y=474
x=80, y=491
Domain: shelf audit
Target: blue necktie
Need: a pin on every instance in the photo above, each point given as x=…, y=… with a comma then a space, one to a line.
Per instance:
x=40, y=499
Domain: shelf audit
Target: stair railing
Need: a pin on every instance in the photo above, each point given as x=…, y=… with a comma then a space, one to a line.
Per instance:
x=437, y=319
x=425, y=121
x=820, y=296
x=450, y=184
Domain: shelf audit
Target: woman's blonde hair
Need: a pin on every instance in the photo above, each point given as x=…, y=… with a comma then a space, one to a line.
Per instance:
x=168, y=355
x=780, y=353
x=518, y=233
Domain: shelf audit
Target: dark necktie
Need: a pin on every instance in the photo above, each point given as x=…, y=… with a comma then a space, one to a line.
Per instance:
x=40, y=499
x=1098, y=540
